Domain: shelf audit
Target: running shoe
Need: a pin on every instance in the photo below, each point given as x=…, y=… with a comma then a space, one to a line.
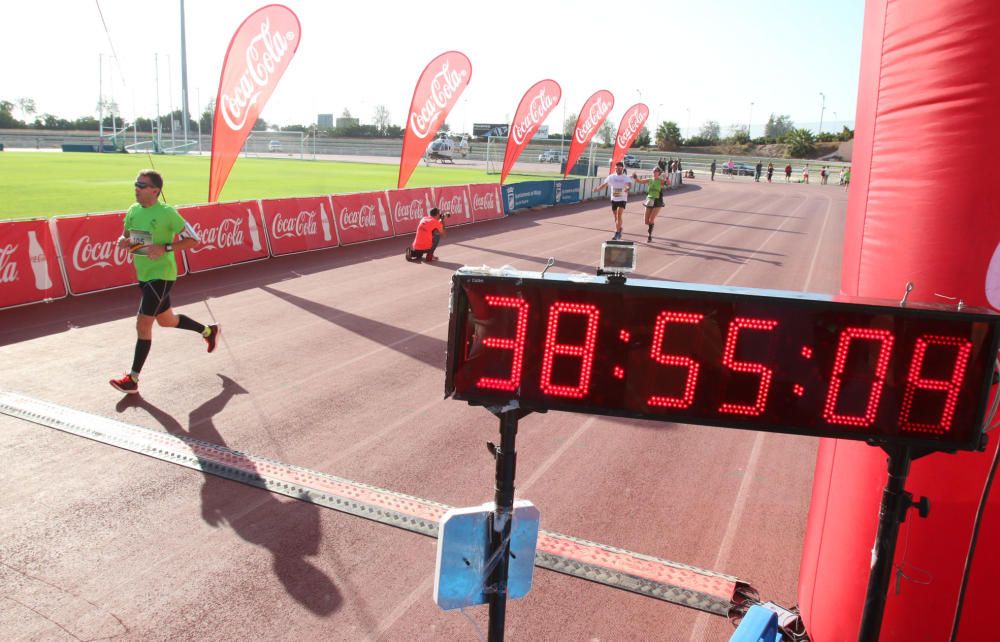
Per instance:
x=409, y=254
x=214, y=337
x=126, y=384
x=649, y=238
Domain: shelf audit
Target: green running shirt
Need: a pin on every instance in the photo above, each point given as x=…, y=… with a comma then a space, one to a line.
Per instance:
x=156, y=224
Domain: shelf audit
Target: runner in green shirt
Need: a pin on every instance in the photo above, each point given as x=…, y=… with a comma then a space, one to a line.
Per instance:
x=654, y=200
x=153, y=231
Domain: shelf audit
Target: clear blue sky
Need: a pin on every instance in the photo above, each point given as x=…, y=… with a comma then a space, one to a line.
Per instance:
x=689, y=61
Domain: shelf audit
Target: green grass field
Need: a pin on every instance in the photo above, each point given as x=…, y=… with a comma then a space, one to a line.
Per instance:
x=48, y=184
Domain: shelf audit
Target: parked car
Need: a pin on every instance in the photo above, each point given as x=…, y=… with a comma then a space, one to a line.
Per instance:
x=631, y=161
x=551, y=156
x=739, y=169
x=274, y=146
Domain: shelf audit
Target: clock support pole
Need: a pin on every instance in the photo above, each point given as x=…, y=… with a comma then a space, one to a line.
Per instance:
x=500, y=522
x=895, y=503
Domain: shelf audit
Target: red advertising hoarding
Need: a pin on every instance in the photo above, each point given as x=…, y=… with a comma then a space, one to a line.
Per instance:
x=407, y=207
x=453, y=201
x=229, y=232
x=361, y=217
x=29, y=263
x=91, y=255
x=485, y=202
x=299, y=224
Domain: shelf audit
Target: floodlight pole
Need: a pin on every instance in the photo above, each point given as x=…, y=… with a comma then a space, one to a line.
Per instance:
x=184, y=81
x=500, y=521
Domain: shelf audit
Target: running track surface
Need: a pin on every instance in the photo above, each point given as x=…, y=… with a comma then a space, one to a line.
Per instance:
x=333, y=361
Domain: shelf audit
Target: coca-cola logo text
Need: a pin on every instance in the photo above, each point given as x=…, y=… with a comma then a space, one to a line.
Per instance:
x=627, y=134
x=264, y=52
x=302, y=224
x=361, y=217
x=8, y=268
x=484, y=201
x=586, y=130
x=89, y=254
x=444, y=87
x=451, y=206
x=228, y=233
x=538, y=109
x=412, y=211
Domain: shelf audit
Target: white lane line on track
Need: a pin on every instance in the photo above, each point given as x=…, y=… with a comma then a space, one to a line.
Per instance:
x=762, y=245
x=819, y=246
x=725, y=547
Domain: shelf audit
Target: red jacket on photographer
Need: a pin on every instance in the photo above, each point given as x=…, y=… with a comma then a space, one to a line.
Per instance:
x=429, y=233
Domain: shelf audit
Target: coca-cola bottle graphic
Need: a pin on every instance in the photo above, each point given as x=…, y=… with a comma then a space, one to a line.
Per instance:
x=500, y=211
x=427, y=200
x=381, y=216
x=254, y=234
x=465, y=197
x=325, y=222
x=39, y=264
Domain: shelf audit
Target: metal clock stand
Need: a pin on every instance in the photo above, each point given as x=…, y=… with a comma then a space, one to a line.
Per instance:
x=895, y=503
x=500, y=523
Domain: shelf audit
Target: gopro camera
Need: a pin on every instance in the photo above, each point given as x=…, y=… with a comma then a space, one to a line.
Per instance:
x=617, y=257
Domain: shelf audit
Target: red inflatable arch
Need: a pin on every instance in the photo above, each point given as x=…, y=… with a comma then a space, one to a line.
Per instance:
x=922, y=208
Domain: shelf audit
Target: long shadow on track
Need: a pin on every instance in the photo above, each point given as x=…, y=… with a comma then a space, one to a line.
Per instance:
x=289, y=530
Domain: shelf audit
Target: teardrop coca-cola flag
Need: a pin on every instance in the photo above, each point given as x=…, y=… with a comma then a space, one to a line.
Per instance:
x=257, y=57
x=438, y=88
x=593, y=114
x=532, y=111
x=628, y=129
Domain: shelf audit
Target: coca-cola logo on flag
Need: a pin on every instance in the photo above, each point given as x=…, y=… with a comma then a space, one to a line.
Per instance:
x=438, y=89
x=595, y=111
x=628, y=129
x=534, y=108
x=361, y=217
x=258, y=55
x=229, y=233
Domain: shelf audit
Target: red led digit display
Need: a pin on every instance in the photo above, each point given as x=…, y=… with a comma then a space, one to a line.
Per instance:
x=753, y=359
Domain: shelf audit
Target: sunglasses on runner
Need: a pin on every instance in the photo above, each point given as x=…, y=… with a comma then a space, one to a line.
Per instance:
x=142, y=185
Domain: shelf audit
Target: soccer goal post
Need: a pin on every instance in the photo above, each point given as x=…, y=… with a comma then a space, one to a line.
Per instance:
x=276, y=144
x=540, y=157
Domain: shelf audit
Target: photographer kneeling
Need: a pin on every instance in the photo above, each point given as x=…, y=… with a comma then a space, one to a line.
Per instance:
x=429, y=233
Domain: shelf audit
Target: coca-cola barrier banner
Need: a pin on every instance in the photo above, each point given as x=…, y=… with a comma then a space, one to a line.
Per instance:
x=438, y=89
x=229, y=232
x=595, y=111
x=407, y=207
x=361, y=217
x=628, y=129
x=29, y=263
x=258, y=55
x=91, y=255
x=534, y=108
x=299, y=224
x=453, y=201
x=485, y=201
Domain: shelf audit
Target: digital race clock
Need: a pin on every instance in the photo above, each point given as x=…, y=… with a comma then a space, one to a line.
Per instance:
x=744, y=358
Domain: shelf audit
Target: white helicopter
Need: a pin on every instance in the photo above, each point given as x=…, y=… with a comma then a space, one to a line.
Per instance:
x=444, y=149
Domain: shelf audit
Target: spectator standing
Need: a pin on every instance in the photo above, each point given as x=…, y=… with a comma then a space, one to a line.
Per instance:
x=756, y=171
x=823, y=175
x=805, y=174
x=847, y=177
x=712, y=169
x=770, y=171
x=788, y=173
x=730, y=167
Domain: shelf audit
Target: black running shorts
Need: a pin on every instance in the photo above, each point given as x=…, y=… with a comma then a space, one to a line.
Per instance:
x=155, y=297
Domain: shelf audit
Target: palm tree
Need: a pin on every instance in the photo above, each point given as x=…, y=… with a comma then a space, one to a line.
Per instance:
x=800, y=143
x=668, y=135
